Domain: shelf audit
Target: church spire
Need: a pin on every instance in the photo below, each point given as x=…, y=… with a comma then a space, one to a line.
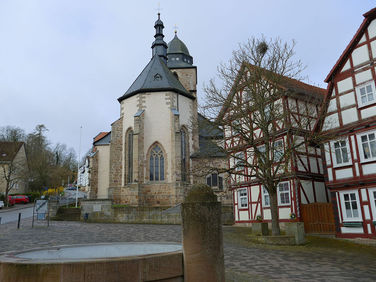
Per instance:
x=159, y=47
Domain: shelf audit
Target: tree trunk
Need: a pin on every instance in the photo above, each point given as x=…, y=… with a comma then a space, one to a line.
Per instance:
x=275, y=214
x=6, y=195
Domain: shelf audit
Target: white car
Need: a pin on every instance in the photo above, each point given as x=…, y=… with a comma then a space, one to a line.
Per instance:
x=1, y=204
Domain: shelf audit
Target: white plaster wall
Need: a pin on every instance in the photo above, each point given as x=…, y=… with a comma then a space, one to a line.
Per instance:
x=360, y=55
x=349, y=115
x=255, y=191
x=373, y=48
x=372, y=29
x=347, y=100
x=243, y=215
x=320, y=192
x=345, y=85
x=157, y=126
x=103, y=170
x=369, y=169
x=330, y=174
x=332, y=107
x=357, y=230
x=331, y=122
x=369, y=112
x=284, y=213
x=363, y=76
x=307, y=186
x=267, y=214
x=344, y=173
x=302, y=163
x=346, y=66
x=327, y=154
x=313, y=164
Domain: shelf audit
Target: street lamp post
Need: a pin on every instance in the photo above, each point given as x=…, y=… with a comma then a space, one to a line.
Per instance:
x=78, y=165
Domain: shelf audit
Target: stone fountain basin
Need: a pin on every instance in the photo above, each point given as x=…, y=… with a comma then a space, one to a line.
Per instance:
x=95, y=262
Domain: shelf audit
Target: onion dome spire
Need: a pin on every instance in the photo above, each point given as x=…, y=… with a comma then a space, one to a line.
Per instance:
x=159, y=46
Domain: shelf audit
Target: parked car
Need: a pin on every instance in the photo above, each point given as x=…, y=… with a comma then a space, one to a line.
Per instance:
x=21, y=199
x=11, y=201
x=1, y=204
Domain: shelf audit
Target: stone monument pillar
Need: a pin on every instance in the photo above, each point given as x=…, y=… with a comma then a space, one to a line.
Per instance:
x=202, y=236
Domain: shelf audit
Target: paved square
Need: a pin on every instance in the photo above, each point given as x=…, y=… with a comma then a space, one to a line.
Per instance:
x=244, y=261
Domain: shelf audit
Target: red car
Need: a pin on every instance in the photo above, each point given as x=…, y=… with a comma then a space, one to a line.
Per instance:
x=11, y=201
x=21, y=199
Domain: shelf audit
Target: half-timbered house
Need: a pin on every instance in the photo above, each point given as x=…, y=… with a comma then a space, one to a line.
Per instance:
x=350, y=118
x=301, y=179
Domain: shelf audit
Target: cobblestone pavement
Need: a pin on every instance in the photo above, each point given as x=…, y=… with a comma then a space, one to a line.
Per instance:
x=242, y=262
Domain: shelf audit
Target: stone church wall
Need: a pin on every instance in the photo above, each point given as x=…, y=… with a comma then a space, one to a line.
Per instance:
x=116, y=153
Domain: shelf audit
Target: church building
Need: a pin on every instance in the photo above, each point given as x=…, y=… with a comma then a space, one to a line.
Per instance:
x=148, y=156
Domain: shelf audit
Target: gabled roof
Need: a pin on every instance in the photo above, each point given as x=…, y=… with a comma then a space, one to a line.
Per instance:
x=8, y=150
x=368, y=17
x=100, y=136
x=292, y=86
x=156, y=77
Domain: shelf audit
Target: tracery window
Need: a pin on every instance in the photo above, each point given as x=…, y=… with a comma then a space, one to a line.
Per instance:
x=130, y=157
x=184, y=154
x=156, y=164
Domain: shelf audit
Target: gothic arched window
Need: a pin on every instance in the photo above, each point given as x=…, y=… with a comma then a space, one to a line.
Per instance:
x=156, y=164
x=184, y=154
x=129, y=157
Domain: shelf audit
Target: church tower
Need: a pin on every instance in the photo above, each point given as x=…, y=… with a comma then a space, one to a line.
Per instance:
x=156, y=133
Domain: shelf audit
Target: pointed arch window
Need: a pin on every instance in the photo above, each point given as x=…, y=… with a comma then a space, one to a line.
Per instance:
x=130, y=157
x=184, y=154
x=156, y=164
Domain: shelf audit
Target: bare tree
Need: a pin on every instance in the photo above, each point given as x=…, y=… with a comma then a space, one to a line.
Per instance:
x=259, y=102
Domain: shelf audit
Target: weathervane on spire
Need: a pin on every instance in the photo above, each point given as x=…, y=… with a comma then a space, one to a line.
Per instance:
x=176, y=29
x=159, y=9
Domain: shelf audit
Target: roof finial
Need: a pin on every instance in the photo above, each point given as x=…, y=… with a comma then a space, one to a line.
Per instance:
x=159, y=10
x=175, y=29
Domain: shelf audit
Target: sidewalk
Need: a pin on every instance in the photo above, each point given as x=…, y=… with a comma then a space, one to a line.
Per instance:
x=16, y=207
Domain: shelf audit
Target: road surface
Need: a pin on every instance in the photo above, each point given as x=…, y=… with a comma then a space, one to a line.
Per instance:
x=11, y=215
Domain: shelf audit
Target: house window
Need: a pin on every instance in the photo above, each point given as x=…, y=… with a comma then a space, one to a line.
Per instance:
x=243, y=198
x=265, y=197
x=130, y=158
x=283, y=193
x=350, y=206
x=366, y=94
x=341, y=153
x=214, y=180
x=278, y=151
x=239, y=161
x=368, y=146
x=156, y=164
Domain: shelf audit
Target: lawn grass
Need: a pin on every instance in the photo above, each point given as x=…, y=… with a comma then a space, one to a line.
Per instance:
x=241, y=236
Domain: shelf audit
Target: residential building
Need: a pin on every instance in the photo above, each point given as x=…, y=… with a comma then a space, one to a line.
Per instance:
x=300, y=176
x=13, y=168
x=349, y=120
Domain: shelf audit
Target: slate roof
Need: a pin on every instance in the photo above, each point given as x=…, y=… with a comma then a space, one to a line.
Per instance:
x=208, y=133
x=8, y=150
x=177, y=46
x=155, y=77
x=102, y=138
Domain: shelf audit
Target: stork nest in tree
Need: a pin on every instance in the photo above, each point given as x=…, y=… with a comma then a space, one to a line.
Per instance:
x=262, y=48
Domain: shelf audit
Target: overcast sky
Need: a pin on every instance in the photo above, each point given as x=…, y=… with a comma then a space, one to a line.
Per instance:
x=64, y=63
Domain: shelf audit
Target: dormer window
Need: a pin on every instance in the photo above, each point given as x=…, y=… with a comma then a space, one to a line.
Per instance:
x=366, y=94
